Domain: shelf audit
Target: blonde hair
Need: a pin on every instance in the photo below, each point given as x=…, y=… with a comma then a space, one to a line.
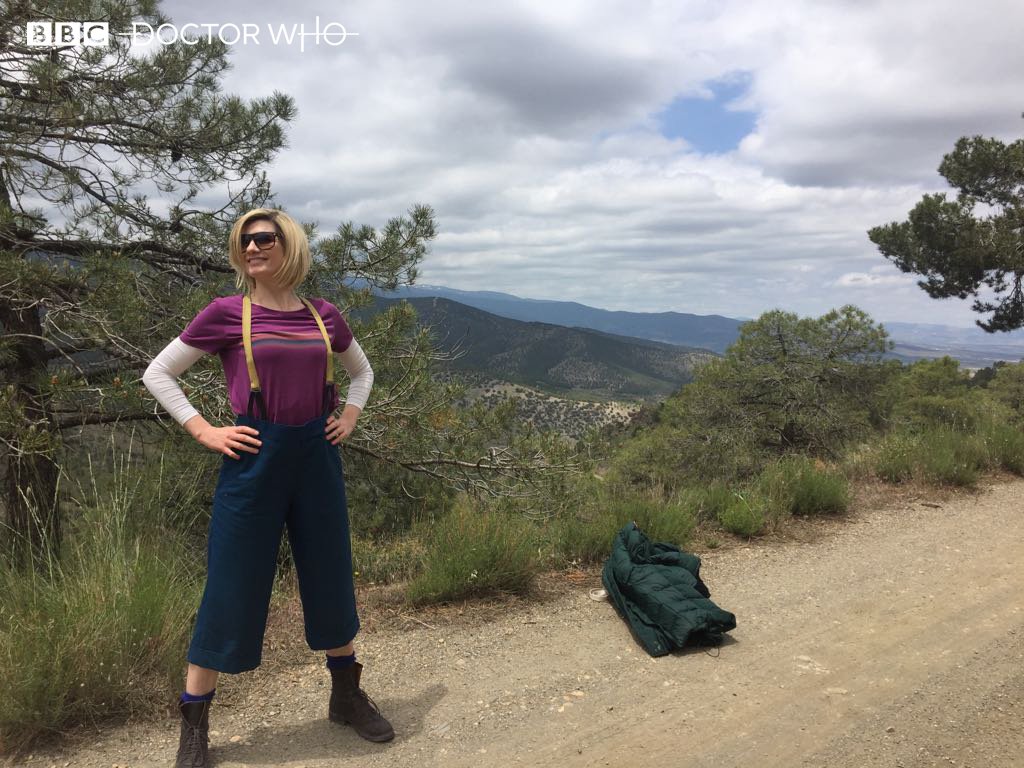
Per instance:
x=293, y=239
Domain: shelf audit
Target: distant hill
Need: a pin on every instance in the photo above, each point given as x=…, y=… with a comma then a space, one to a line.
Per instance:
x=712, y=332
x=971, y=346
x=978, y=356
x=571, y=361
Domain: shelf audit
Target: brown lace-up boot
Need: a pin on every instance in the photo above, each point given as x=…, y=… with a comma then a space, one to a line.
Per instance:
x=351, y=706
x=193, y=745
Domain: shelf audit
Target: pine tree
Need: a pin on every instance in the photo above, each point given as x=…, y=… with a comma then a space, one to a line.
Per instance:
x=976, y=240
x=120, y=175
x=105, y=154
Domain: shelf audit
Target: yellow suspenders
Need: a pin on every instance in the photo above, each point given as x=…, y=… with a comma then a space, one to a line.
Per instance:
x=254, y=379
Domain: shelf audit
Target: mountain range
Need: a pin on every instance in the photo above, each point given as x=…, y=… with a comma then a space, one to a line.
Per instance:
x=571, y=362
x=973, y=347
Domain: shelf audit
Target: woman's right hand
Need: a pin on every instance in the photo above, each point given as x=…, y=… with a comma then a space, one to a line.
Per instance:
x=227, y=440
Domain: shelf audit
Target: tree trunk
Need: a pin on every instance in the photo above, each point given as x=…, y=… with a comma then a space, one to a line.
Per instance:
x=30, y=481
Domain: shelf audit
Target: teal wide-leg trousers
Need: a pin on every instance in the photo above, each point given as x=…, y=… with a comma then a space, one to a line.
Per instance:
x=295, y=481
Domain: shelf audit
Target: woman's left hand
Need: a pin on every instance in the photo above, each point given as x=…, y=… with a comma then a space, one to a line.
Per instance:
x=341, y=427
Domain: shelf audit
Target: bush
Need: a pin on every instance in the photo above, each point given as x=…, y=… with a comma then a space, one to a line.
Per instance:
x=587, y=536
x=471, y=552
x=897, y=457
x=948, y=457
x=670, y=522
x=1008, y=388
x=798, y=485
x=1005, y=445
x=387, y=558
x=93, y=633
x=709, y=502
x=743, y=515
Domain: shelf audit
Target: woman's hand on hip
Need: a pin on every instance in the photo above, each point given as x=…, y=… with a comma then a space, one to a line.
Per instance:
x=227, y=440
x=341, y=427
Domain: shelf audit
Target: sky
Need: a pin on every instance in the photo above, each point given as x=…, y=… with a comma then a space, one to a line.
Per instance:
x=711, y=157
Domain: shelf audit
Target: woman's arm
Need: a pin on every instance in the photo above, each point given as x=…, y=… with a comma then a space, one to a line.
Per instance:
x=161, y=377
x=360, y=373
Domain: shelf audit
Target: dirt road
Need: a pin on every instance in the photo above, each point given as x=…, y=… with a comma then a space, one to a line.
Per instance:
x=894, y=639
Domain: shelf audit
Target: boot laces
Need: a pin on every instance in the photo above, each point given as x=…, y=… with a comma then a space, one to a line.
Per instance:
x=196, y=746
x=357, y=693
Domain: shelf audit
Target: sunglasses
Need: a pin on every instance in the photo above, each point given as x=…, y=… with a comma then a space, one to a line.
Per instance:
x=264, y=240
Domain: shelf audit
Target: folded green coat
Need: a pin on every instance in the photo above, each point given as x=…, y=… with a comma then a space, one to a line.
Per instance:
x=657, y=589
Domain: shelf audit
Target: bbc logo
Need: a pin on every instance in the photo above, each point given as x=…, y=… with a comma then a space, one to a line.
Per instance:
x=53, y=34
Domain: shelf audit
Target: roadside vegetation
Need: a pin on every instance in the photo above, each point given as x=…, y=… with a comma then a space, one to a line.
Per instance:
x=785, y=425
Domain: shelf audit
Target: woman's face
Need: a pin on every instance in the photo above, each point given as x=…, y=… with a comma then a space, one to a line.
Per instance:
x=261, y=265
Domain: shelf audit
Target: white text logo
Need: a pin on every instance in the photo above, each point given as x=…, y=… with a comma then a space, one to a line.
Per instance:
x=74, y=34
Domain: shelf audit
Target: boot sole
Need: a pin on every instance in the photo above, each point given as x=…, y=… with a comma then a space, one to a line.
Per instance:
x=368, y=737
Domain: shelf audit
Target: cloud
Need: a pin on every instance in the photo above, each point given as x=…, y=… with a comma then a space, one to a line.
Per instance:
x=535, y=130
x=865, y=280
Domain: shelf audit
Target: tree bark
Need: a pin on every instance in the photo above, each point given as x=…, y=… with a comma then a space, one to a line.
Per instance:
x=31, y=475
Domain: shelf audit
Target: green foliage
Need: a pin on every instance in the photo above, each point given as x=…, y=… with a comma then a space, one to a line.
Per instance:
x=744, y=514
x=788, y=385
x=670, y=522
x=983, y=376
x=1007, y=387
x=709, y=501
x=794, y=384
x=896, y=457
x=473, y=552
x=942, y=455
x=586, y=534
x=1005, y=444
x=950, y=457
x=934, y=393
x=797, y=485
x=92, y=633
x=387, y=559
x=959, y=246
x=98, y=256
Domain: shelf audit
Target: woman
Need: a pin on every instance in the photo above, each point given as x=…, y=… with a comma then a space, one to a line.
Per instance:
x=281, y=467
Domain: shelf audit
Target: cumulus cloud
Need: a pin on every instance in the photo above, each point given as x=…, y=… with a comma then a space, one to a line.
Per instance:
x=532, y=129
x=865, y=280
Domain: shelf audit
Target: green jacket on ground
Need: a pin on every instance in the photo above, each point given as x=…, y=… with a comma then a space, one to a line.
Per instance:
x=657, y=589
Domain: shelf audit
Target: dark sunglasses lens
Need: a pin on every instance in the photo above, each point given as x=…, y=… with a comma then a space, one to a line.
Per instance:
x=262, y=239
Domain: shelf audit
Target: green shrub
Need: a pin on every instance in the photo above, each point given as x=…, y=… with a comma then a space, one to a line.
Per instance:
x=963, y=411
x=95, y=633
x=1008, y=388
x=858, y=461
x=797, y=485
x=670, y=522
x=743, y=515
x=1005, y=444
x=386, y=559
x=471, y=552
x=707, y=503
x=897, y=457
x=948, y=457
x=586, y=536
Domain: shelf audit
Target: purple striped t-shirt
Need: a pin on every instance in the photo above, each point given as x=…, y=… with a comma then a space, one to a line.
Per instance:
x=288, y=350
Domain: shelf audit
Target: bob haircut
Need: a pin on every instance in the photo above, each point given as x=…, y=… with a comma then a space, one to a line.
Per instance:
x=293, y=239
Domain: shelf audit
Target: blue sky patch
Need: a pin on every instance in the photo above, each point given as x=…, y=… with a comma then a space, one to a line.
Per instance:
x=708, y=124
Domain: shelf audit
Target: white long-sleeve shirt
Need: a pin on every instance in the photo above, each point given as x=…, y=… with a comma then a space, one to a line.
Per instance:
x=161, y=377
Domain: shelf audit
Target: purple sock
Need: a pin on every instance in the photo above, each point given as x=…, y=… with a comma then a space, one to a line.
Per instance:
x=189, y=698
x=340, y=662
